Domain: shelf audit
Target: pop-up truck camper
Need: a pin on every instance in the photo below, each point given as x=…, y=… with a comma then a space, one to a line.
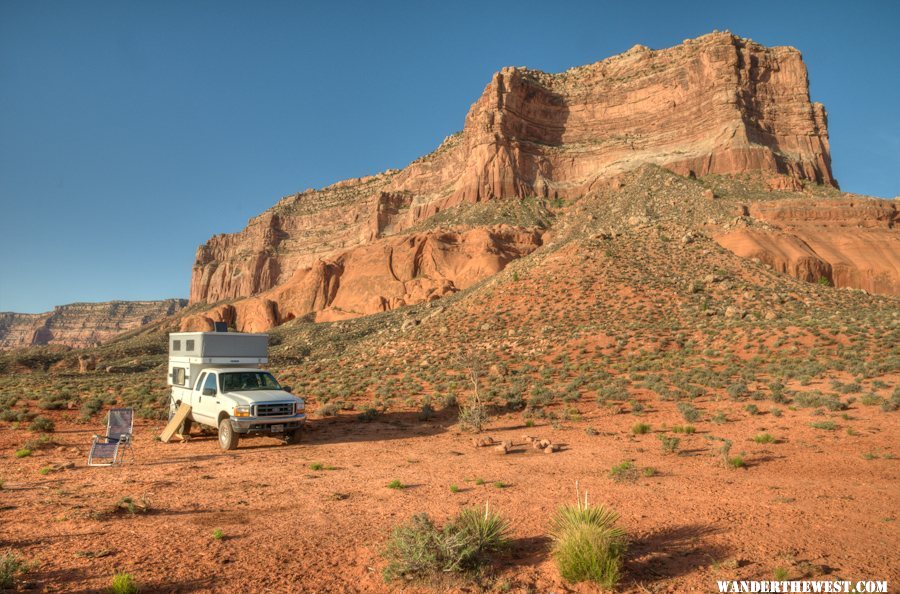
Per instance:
x=219, y=376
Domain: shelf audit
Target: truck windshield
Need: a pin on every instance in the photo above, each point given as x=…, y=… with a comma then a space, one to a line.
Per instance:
x=248, y=380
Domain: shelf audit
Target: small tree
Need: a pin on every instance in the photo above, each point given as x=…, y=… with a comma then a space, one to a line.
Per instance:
x=473, y=413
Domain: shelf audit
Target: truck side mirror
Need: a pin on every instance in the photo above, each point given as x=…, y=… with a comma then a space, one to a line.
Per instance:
x=209, y=391
x=286, y=388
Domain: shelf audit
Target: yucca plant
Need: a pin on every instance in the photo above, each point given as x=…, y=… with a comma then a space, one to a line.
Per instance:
x=587, y=545
x=479, y=532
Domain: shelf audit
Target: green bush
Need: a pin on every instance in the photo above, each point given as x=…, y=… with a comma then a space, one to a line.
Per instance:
x=640, y=429
x=420, y=549
x=42, y=425
x=690, y=413
x=11, y=565
x=669, y=444
x=587, y=546
x=624, y=472
x=123, y=583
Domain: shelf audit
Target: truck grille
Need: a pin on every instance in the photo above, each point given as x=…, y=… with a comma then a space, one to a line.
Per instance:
x=278, y=409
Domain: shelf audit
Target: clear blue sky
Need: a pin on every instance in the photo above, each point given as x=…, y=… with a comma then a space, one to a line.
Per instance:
x=131, y=132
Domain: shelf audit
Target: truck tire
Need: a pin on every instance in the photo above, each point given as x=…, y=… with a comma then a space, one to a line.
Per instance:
x=293, y=436
x=228, y=439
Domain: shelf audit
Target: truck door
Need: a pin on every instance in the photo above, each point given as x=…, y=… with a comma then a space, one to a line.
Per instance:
x=205, y=399
x=195, y=401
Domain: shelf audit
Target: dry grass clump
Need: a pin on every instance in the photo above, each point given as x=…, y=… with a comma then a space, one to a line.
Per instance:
x=587, y=545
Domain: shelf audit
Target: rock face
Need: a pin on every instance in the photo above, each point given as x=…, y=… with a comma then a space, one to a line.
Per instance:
x=716, y=104
x=378, y=277
x=81, y=324
x=850, y=242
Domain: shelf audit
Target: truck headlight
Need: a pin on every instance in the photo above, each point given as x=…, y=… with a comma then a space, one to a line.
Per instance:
x=299, y=407
x=241, y=411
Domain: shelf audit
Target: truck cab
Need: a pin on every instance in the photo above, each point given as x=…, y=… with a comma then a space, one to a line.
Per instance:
x=220, y=376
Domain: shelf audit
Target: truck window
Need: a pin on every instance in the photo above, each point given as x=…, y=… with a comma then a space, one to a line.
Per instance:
x=247, y=380
x=200, y=381
x=178, y=376
x=210, y=382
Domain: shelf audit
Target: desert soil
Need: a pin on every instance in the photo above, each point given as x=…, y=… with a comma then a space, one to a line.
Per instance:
x=819, y=503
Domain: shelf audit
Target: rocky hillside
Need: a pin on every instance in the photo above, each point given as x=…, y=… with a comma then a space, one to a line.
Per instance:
x=81, y=324
x=718, y=104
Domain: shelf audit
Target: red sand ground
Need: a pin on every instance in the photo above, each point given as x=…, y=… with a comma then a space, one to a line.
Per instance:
x=810, y=503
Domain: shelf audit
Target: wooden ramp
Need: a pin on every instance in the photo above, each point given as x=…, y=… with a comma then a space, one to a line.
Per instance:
x=179, y=417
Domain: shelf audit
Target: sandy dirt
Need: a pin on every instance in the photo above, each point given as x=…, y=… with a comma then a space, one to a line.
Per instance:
x=815, y=502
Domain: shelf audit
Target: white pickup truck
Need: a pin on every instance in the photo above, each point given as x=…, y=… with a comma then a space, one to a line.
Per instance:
x=218, y=375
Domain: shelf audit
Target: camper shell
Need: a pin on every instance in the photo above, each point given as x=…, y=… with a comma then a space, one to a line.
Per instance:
x=191, y=352
x=220, y=376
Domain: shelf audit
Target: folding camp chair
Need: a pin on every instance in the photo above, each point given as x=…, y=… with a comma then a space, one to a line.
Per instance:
x=108, y=449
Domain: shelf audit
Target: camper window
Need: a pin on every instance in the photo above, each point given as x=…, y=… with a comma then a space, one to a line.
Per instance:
x=176, y=345
x=189, y=345
x=178, y=376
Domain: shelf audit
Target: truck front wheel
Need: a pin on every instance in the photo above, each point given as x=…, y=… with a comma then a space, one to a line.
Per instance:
x=292, y=436
x=228, y=439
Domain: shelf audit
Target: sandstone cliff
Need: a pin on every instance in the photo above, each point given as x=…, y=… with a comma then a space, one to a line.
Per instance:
x=81, y=324
x=378, y=277
x=716, y=104
x=851, y=242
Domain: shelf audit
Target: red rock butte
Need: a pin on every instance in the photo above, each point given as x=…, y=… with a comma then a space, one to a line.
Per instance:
x=718, y=104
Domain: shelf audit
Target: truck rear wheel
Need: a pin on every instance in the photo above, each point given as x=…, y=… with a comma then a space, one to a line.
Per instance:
x=228, y=439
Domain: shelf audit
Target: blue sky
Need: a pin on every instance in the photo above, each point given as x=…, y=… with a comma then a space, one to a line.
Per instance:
x=130, y=132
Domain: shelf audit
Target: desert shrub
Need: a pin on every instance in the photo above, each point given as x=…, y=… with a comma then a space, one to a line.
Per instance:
x=686, y=429
x=53, y=402
x=91, y=407
x=826, y=425
x=623, y=472
x=737, y=390
x=328, y=410
x=11, y=566
x=473, y=415
x=735, y=462
x=640, y=429
x=587, y=545
x=123, y=583
x=764, y=438
x=42, y=425
x=426, y=412
x=669, y=444
x=420, y=549
x=690, y=413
